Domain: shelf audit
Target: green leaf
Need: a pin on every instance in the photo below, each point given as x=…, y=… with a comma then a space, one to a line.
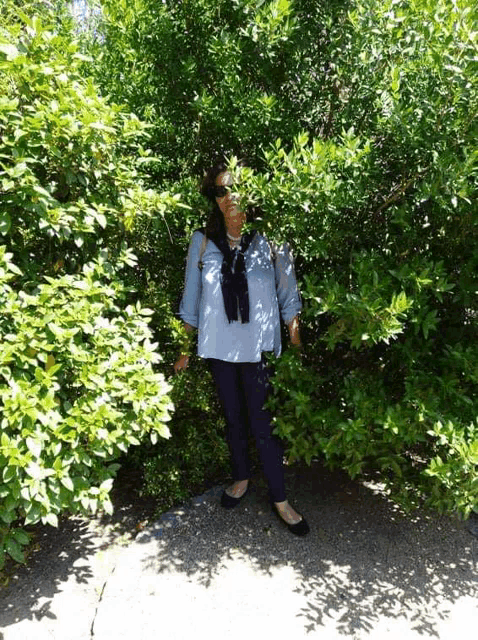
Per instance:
x=5, y=223
x=14, y=550
x=101, y=220
x=67, y=482
x=14, y=269
x=8, y=516
x=51, y=519
x=10, y=51
x=107, y=485
x=4, y=440
x=34, y=446
x=107, y=506
x=9, y=473
x=33, y=515
x=21, y=536
x=34, y=471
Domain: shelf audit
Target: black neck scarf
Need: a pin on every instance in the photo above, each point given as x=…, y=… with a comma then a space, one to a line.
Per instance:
x=234, y=287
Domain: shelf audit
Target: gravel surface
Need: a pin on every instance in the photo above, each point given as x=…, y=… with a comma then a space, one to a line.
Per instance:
x=366, y=571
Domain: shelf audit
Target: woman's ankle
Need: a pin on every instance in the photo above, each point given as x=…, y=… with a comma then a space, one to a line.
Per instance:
x=287, y=512
x=238, y=488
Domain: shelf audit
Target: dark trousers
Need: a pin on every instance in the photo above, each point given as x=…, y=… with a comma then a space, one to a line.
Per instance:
x=242, y=389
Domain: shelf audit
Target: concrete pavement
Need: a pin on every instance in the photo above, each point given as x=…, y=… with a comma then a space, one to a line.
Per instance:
x=366, y=571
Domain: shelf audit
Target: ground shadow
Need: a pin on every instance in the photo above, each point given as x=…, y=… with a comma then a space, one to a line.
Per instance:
x=57, y=555
x=363, y=561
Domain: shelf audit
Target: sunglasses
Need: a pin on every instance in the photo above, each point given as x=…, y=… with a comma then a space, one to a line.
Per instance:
x=220, y=191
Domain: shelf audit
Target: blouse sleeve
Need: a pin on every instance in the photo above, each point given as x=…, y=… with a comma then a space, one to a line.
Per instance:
x=189, y=307
x=286, y=284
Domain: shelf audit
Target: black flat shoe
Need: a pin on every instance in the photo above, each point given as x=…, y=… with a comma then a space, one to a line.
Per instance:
x=300, y=528
x=229, y=502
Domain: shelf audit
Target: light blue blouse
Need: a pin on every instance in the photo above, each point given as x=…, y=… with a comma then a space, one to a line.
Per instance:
x=272, y=290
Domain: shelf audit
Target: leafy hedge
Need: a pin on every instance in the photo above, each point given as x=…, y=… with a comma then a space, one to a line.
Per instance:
x=78, y=390
x=381, y=213
x=360, y=120
x=78, y=363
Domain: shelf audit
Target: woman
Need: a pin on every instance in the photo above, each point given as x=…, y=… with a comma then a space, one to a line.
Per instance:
x=235, y=291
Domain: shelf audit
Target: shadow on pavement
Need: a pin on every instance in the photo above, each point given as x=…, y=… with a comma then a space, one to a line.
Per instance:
x=364, y=559
x=64, y=554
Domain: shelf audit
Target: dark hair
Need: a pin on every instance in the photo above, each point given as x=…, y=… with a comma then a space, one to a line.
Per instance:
x=215, y=224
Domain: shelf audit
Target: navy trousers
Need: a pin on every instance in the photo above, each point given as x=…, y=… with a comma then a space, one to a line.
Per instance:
x=242, y=388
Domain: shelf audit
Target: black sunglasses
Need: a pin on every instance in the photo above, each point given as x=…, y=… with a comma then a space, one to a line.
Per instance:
x=220, y=191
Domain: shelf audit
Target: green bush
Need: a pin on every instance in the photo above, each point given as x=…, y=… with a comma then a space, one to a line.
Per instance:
x=77, y=389
x=360, y=118
x=79, y=380
x=381, y=215
x=197, y=456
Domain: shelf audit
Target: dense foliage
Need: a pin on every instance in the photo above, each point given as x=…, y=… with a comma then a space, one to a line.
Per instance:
x=78, y=378
x=360, y=121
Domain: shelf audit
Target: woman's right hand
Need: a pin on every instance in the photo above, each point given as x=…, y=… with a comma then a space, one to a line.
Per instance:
x=182, y=363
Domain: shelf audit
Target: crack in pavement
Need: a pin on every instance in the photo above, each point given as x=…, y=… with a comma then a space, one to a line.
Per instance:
x=92, y=627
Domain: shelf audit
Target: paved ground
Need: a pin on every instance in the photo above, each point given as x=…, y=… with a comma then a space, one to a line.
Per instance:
x=366, y=571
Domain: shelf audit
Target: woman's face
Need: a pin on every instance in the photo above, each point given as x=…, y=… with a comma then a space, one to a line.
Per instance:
x=227, y=203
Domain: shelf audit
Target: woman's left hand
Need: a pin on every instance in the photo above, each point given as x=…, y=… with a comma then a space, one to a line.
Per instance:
x=294, y=333
x=181, y=363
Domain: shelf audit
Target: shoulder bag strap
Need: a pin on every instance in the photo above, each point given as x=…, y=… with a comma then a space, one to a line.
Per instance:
x=201, y=252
